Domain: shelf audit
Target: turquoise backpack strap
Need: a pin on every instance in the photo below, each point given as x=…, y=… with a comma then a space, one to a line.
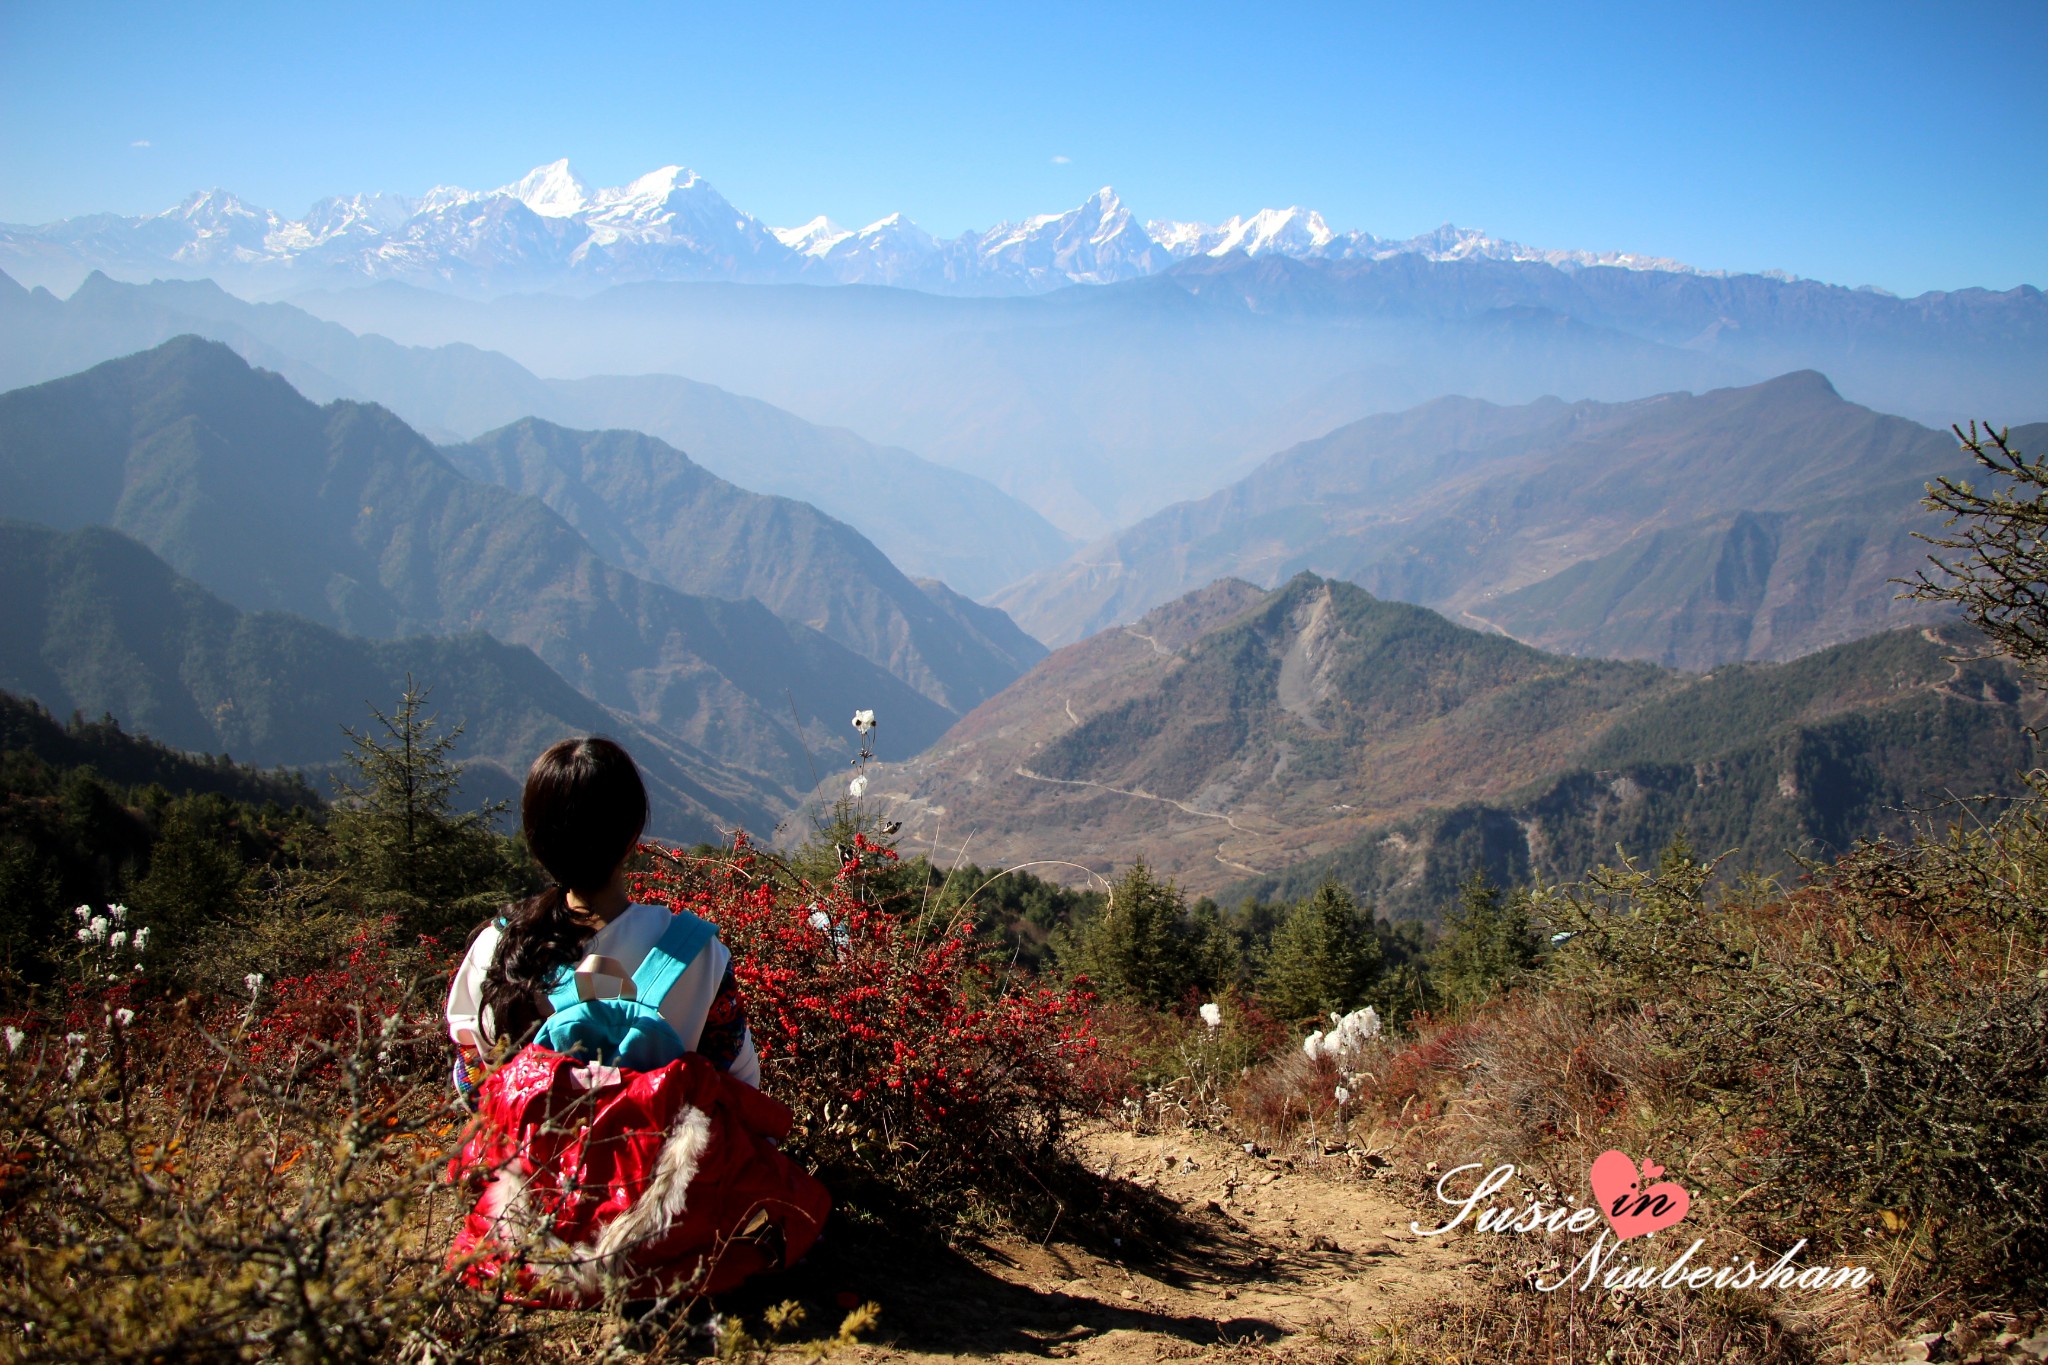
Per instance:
x=671, y=956
x=562, y=993
x=664, y=965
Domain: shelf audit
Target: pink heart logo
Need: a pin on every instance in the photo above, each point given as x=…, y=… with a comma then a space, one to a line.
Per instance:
x=1632, y=1205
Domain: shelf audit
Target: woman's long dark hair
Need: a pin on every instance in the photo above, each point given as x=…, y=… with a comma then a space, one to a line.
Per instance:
x=583, y=810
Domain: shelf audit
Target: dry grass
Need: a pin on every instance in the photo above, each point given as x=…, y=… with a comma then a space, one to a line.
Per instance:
x=170, y=1191
x=1861, y=1063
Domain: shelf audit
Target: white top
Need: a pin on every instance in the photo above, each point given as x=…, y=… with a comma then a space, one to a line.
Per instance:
x=625, y=942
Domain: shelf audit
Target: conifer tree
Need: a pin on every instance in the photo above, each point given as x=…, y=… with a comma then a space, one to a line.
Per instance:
x=406, y=849
x=1487, y=945
x=197, y=874
x=1324, y=957
x=1142, y=947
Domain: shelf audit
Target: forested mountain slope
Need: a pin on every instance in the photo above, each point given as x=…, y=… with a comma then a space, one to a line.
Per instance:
x=94, y=622
x=646, y=506
x=346, y=516
x=1237, y=733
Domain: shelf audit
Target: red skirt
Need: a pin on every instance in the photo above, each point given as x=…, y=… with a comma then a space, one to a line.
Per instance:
x=593, y=1181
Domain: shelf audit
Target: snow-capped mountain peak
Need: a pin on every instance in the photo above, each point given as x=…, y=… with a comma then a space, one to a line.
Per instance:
x=552, y=191
x=1294, y=230
x=652, y=189
x=814, y=238
x=549, y=227
x=213, y=208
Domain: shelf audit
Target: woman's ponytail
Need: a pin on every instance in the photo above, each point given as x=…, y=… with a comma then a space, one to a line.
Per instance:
x=583, y=810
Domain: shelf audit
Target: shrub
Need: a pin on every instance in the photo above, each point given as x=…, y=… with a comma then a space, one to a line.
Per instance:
x=225, y=1184
x=1878, y=1038
x=910, y=1061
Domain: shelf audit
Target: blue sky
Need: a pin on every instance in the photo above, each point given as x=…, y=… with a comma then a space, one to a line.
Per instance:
x=1904, y=145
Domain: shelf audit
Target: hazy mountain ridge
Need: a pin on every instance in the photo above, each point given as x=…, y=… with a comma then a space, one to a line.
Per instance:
x=1163, y=369
x=929, y=519
x=1237, y=732
x=134, y=760
x=646, y=507
x=1096, y=406
x=347, y=516
x=93, y=621
x=1101, y=405
x=1761, y=522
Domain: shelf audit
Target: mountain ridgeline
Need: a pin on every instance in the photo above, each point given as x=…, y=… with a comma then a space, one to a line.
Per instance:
x=930, y=520
x=1100, y=405
x=1245, y=739
x=644, y=505
x=345, y=516
x=93, y=622
x=1753, y=523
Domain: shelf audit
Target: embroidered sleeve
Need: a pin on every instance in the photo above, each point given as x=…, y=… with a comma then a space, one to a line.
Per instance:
x=725, y=1025
x=468, y=1073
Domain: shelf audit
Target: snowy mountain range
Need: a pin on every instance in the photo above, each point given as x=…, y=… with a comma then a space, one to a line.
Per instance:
x=550, y=230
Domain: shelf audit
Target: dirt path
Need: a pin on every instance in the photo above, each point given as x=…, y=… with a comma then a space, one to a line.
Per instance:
x=1270, y=1254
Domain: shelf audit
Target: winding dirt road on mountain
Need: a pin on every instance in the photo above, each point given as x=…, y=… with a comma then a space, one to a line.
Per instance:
x=1182, y=806
x=1286, y=1259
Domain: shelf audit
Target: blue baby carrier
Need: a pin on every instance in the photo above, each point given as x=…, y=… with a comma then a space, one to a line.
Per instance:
x=625, y=1030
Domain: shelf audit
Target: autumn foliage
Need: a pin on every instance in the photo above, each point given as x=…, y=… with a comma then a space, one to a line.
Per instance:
x=909, y=1058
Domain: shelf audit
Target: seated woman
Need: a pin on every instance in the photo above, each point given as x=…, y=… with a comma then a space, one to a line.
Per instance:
x=623, y=1148
x=583, y=811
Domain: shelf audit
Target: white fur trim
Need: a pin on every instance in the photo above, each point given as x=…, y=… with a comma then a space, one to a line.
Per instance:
x=584, y=1270
x=666, y=1195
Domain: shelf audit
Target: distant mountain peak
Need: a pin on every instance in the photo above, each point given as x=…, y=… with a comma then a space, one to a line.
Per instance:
x=816, y=237
x=552, y=191
x=672, y=224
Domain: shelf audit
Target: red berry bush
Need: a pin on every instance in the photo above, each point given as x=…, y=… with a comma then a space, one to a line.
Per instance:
x=910, y=1059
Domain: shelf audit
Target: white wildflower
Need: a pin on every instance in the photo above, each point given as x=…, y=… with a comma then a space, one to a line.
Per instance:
x=85, y=933
x=1351, y=1033
x=119, y=912
x=83, y=912
x=77, y=1065
x=99, y=928
x=1212, y=1015
x=74, y=1040
x=254, y=981
x=1313, y=1045
x=118, y=940
x=14, y=1039
x=141, y=937
x=1343, y=1095
x=858, y=787
x=864, y=721
x=124, y=1017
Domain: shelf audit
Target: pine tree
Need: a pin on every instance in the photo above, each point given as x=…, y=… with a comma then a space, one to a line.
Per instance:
x=1142, y=947
x=1487, y=945
x=407, y=851
x=1324, y=957
x=197, y=874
